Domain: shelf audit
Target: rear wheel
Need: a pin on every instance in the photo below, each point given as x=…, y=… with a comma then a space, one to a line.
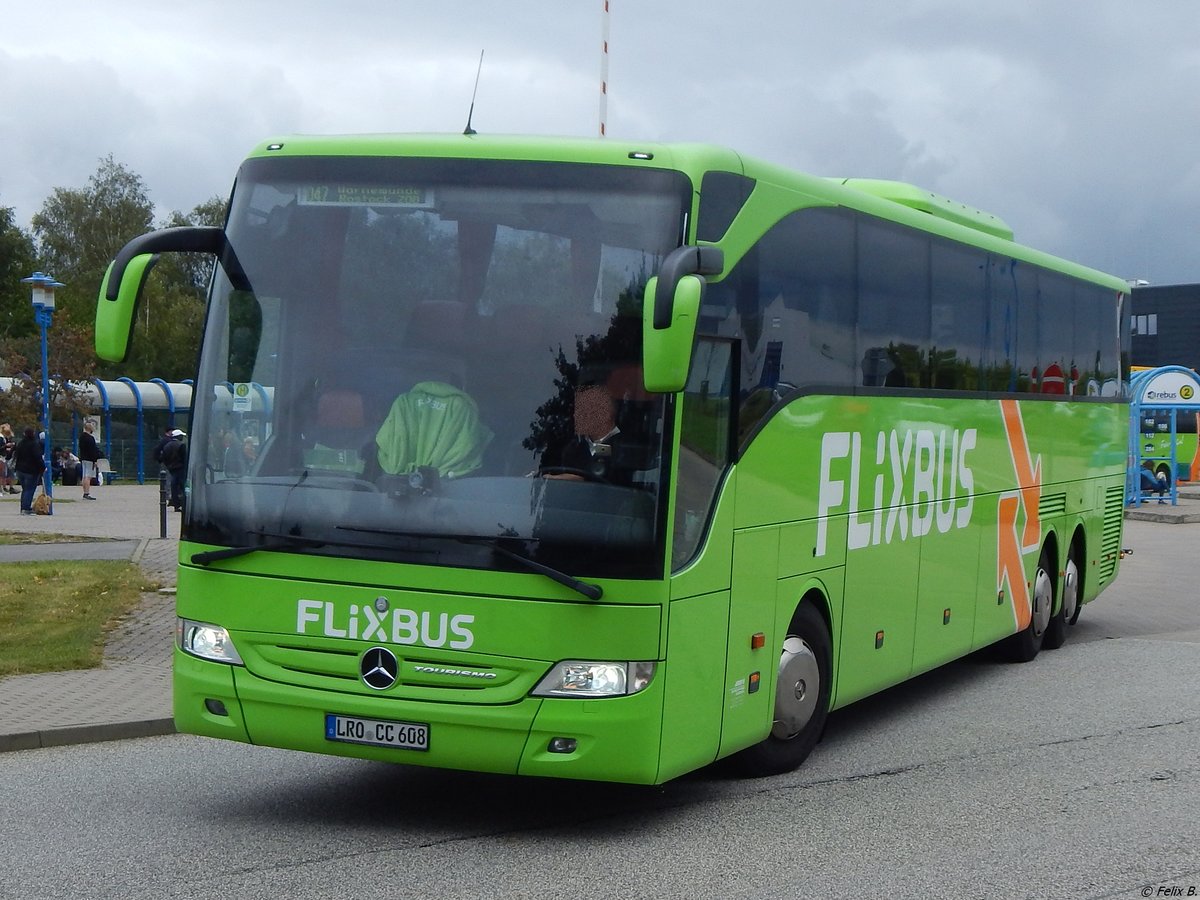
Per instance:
x=802, y=688
x=1068, y=612
x=1024, y=645
x=1077, y=590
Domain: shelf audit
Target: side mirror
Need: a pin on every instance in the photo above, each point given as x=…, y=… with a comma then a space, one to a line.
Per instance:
x=670, y=312
x=667, y=351
x=681, y=261
x=114, y=318
x=127, y=273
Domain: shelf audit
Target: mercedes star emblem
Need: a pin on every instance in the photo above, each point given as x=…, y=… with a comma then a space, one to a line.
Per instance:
x=379, y=668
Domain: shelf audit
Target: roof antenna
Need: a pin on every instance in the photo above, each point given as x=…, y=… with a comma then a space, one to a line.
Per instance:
x=471, y=111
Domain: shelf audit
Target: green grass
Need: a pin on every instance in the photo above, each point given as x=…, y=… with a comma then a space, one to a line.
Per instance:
x=54, y=616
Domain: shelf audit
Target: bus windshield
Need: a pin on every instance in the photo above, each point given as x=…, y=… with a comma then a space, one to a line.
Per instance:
x=426, y=360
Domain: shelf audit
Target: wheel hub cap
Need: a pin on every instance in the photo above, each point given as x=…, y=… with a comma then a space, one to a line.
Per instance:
x=799, y=686
x=1070, y=594
x=1043, y=601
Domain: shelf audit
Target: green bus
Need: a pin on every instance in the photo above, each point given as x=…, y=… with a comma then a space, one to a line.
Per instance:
x=603, y=460
x=1178, y=462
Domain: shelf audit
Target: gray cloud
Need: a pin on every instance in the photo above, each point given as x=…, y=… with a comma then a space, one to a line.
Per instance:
x=1070, y=121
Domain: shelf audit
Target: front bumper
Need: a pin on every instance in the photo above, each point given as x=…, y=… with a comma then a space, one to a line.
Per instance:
x=616, y=739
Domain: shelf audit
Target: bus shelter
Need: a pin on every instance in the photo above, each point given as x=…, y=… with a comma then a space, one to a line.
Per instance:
x=1164, y=405
x=122, y=394
x=140, y=396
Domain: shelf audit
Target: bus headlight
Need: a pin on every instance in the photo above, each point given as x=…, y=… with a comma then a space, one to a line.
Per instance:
x=576, y=678
x=206, y=641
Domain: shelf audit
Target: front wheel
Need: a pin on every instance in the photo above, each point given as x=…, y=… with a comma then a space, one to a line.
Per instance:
x=802, y=687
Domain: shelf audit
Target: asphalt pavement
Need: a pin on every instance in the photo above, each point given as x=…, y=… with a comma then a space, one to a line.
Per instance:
x=129, y=695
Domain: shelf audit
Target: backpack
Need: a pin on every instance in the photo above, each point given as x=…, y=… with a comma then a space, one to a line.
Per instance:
x=174, y=454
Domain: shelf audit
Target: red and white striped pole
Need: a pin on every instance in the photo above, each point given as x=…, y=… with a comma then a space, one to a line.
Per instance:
x=604, y=69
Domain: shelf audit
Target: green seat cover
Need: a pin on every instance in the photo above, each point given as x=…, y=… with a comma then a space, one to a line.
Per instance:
x=434, y=425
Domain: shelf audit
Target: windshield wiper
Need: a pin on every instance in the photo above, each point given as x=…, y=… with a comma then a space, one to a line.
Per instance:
x=279, y=542
x=285, y=542
x=591, y=591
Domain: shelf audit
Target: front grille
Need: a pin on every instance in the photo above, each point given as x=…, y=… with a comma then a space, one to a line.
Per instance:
x=334, y=665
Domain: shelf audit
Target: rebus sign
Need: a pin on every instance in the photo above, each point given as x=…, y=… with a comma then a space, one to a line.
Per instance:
x=1173, y=386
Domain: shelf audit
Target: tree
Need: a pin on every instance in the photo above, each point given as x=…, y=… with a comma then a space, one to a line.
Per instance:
x=72, y=361
x=75, y=236
x=193, y=270
x=170, y=317
x=16, y=262
x=72, y=356
x=79, y=231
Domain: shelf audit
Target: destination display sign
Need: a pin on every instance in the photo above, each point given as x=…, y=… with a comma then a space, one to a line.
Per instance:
x=377, y=195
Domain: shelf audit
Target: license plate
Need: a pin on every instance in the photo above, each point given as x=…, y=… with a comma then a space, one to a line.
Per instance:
x=377, y=733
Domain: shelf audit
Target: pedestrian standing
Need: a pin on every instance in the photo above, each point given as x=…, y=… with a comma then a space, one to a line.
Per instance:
x=162, y=442
x=29, y=460
x=89, y=454
x=174, y=458
x=8, y=443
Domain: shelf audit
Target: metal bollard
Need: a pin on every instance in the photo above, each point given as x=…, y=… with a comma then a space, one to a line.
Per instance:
x=164, y=494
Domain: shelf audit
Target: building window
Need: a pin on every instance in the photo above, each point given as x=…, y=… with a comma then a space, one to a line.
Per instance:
x=1145, y=325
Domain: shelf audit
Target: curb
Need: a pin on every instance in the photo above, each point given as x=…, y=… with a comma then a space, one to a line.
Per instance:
x=85, y=734
x=1162, y=516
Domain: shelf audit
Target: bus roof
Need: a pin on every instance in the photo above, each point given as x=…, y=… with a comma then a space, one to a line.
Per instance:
x=935, y=204
x=897, y=201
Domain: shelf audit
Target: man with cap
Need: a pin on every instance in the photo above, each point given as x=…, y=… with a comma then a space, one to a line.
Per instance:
x=174, y=459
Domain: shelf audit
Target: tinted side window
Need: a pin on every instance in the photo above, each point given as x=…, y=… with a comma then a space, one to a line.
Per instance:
x=831, y=298
x=722, y=195
x=958, y=280
x=790, y=303
x=1012, y=326
x=704, y=441
x=807, y=286
x=893, y=305
x=1091, y=335
x=1056, y=319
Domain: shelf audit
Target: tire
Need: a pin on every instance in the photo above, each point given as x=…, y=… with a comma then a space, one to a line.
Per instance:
x=1076, y=558
x=802, y=688
x=1024, y=645
x=1068, y=610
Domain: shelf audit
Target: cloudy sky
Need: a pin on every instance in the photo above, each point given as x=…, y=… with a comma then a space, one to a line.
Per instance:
x=1070, y=119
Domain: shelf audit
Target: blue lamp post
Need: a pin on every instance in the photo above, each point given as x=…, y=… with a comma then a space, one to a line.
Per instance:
x=43, y=287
